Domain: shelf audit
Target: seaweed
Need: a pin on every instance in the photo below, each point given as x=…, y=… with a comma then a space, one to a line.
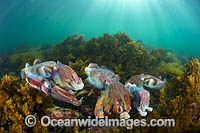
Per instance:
x=186, y=87
x=18, y=100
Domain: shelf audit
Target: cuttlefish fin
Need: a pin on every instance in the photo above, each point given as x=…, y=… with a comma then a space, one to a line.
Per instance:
x=105, y=67
x=23, y=75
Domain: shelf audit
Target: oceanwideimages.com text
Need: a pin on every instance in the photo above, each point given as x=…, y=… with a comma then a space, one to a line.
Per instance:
x=47, y=121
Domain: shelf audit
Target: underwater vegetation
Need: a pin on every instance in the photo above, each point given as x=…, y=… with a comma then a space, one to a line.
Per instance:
x=126, y=57
x=179, y=99
x=18, y=100
x=180, y=107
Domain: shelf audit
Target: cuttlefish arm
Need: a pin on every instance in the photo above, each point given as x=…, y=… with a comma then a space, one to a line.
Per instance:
x=139, y=93
x=119, y=98
x=141, y=98
x=99, y=108
x=65, y=96
x=115, y=95
x=144, y=98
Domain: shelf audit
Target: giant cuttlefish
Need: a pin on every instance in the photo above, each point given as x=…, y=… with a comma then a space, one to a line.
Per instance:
x=54, y=79
x=141, y=97
x=113, y=93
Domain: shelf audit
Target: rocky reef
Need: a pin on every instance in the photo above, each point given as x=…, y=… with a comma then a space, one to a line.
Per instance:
x=179, y=100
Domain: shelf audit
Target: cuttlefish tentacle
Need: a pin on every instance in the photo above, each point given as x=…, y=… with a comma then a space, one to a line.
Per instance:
x=65, y=96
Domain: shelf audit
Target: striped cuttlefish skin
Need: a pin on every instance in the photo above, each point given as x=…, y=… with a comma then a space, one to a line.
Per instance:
x=145, y=80
x=42, y=77
x=152, y=82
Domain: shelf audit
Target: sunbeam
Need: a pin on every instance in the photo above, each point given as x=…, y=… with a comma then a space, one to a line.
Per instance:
x=159, y=23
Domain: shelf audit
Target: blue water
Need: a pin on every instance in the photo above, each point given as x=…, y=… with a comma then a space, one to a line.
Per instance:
x=172, y=24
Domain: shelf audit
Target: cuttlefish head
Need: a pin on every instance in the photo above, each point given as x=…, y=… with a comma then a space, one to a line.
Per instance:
x=66, y=77
x=96, y=75
x=31, y=78
x=91, y=68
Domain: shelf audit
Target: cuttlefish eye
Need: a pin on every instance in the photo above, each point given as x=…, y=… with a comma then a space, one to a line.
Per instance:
x=93, y=65
x=55, y=68
x=47, y=84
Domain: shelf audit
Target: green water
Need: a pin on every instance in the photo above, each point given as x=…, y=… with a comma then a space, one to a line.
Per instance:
x=172, y=24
